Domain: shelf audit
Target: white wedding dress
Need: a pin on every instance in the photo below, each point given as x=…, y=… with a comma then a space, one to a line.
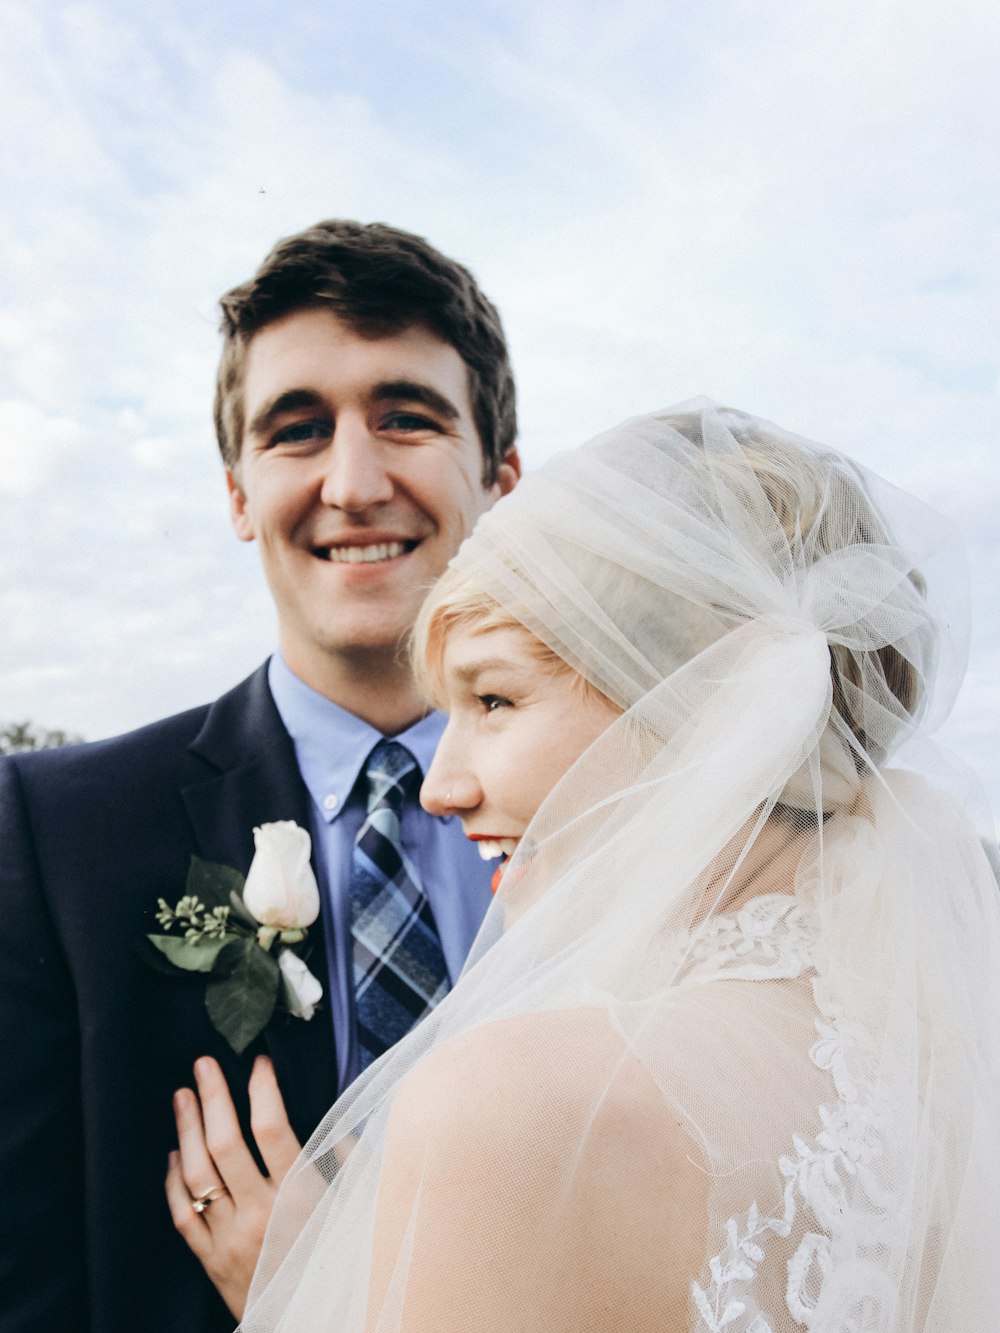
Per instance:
x=794, y=1250
x=726, y=1054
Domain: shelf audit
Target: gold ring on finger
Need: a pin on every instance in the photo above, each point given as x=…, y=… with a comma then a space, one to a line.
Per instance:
x=201, y=1201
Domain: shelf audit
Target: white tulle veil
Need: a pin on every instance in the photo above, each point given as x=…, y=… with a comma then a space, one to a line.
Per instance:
x=755, y=917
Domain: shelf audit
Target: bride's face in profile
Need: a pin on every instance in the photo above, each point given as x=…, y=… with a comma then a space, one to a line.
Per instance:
x=515, y=725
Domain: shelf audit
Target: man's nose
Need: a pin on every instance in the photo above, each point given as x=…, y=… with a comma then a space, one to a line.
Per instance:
x=356, y=476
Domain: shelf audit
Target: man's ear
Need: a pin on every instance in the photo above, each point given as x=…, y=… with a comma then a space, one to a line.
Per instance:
x=509, y=472
x=242, y=524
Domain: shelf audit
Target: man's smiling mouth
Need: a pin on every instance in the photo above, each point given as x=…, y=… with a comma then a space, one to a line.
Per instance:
x=364, y=555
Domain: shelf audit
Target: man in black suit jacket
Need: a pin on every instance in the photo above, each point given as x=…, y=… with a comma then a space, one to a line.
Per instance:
x=365, y=413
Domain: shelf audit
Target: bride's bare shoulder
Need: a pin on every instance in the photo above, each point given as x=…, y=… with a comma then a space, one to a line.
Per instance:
x=541, y=1142
x=497, y=1083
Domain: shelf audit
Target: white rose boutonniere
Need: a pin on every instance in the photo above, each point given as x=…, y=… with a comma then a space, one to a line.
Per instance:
x=246, y=934
x=281, y=890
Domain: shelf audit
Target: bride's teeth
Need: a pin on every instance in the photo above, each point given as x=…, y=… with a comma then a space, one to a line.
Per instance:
x=491, y=848
x=363, y=555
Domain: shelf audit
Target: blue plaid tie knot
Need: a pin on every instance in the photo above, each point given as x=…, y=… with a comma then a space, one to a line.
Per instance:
x=399, y=967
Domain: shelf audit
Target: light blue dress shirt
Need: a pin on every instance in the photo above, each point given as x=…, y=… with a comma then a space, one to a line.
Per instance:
x=331, y=746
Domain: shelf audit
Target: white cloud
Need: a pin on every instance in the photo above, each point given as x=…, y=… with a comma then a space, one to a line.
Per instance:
x=786, y=207
x=158, y=452
x=32, y=445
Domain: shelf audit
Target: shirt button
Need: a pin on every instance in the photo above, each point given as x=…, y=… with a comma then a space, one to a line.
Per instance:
x=331, y=802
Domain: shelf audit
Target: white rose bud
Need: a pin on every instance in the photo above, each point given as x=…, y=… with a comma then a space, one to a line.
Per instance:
x=302, y=990
x=281, y=889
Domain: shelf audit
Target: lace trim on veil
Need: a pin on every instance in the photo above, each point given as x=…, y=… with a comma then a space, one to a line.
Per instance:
x=831, y=1184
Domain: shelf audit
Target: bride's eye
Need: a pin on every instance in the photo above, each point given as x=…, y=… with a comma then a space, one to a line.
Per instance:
x=491, y=702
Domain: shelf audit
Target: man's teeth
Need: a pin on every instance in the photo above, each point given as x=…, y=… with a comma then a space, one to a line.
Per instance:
x=365, y=555
x=491, y=848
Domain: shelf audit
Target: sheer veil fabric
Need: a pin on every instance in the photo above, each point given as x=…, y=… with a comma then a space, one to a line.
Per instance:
x=725, y=1054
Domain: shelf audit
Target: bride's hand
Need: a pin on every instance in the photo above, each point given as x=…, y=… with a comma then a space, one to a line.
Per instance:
x=215, y=1165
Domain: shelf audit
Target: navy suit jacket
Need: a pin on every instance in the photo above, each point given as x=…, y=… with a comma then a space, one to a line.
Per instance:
x=94, y=1040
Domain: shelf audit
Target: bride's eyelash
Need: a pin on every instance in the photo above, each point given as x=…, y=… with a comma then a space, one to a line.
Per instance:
x=491, y=702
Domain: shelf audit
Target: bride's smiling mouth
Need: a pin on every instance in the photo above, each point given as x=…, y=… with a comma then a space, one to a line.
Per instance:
x=492, y=848
x=364, y=553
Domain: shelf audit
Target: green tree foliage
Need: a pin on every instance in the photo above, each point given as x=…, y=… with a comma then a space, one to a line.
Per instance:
x=16, y=737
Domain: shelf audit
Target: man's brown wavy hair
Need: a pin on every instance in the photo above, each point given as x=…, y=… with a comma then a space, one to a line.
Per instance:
x=379, y=281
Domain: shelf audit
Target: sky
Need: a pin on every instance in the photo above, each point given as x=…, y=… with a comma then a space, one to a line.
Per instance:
x=788, y=205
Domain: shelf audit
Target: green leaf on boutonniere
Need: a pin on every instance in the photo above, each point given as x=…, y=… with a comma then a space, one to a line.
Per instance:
x=241, y=1003
x=191, y=955
x=212, y=882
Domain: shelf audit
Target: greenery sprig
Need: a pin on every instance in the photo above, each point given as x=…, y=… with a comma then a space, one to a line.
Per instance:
x=210, y=930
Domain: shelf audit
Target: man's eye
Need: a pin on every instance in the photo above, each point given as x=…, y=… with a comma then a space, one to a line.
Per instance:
x=301, y=432
x=409, y=421
x=491, y=702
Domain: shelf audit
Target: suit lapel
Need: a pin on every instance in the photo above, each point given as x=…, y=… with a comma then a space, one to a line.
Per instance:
x=257, y=781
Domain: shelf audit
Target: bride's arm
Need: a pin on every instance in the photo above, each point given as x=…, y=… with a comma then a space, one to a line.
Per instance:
x=534, y=1176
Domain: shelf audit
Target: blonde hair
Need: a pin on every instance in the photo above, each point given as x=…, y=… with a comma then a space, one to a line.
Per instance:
x=456, y=603
x=819, y=501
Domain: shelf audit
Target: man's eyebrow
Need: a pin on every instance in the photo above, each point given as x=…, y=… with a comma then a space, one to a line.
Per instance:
x=292, y=400
x=412, y=391
x=387, y=391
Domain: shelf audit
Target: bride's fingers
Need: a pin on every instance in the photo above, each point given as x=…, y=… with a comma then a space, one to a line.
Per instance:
x=223, y=1138
x=269, y=1121
x=198, y=1170
x=193, y=1228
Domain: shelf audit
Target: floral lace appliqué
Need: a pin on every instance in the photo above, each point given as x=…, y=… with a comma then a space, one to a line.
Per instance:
x=768, y=939
x=824, y=1173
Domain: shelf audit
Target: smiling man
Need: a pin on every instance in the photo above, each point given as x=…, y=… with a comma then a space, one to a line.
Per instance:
x=360, y=472
x=365, y=414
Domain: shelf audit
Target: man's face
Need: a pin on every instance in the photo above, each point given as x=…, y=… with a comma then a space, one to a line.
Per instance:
x=360, y=473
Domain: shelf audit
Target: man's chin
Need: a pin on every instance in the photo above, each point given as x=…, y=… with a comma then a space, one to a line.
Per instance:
x=361, y=641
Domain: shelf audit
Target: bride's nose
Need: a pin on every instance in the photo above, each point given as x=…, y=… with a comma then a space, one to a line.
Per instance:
x=449, y=788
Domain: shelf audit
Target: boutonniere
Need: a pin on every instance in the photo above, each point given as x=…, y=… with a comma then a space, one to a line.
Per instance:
x=246, y=933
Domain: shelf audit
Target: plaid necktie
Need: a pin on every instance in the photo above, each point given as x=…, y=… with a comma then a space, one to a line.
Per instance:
x=399, y=968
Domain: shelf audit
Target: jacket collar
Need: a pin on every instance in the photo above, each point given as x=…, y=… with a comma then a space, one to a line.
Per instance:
x=256, y=781
x=256, y=778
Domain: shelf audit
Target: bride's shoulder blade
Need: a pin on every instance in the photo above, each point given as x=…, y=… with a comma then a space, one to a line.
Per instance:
x=540, y=1143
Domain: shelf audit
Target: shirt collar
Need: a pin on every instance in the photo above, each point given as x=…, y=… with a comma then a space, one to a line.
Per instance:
x=331, y=744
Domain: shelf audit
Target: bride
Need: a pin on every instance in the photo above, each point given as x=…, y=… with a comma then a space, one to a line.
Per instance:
x=726, y=1053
